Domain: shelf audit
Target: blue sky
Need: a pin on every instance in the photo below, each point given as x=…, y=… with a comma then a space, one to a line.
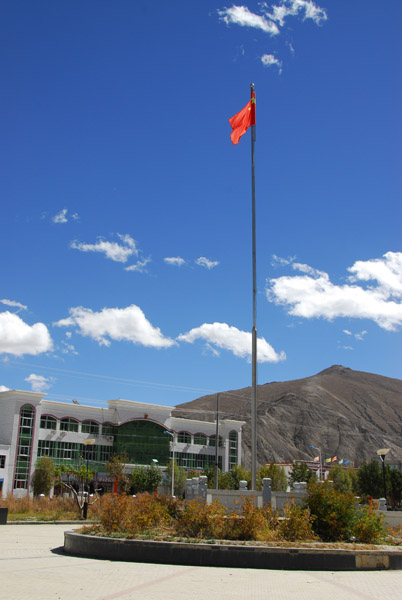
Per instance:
x=126, y=213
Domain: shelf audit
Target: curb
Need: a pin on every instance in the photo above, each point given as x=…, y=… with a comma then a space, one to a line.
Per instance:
x=51, y=522
x=214, y=555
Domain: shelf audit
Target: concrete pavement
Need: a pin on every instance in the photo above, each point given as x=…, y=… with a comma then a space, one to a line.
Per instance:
x=32, y=565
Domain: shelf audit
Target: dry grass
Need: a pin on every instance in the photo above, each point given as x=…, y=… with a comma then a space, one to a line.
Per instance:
x=46, y=509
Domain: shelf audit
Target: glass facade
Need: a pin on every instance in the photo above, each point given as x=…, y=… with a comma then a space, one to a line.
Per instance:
x=232, y=449
x=195, y=461
x=24, y=447
x=63, y=452
x=142, y=441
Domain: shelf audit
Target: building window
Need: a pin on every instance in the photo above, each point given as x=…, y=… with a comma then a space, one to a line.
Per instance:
x=24, y=445
x=68, y=451
x=105, y=453
x=195, y=461
x=68, y=424
x=90, y=427
x=232, y=449
x=200, y=439
x=212, y=439
x=183, y=437
x=2, y=461
x=89, y=452
x=47, y=422
x=108, y=429
x=46, y=448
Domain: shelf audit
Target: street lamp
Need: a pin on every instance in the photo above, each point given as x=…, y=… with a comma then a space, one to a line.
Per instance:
x=319, y=471
x=173, y=447
x=382, y=453
x=87, y=442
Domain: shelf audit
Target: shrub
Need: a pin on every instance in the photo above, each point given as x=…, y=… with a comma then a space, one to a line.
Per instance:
x=202, y=520
x=337, y=518
x=297, y=523
x=122, y=513
x=43, y=476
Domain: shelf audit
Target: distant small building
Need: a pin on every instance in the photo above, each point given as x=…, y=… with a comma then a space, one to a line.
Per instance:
x=32, y=427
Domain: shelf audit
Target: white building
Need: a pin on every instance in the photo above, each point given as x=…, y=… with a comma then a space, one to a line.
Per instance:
x=31, y=427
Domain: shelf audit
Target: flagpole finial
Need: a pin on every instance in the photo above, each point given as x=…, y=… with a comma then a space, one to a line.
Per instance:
x=252, y=86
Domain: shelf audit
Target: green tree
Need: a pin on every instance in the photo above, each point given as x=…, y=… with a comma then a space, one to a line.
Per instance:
x=395, y=480
x=43, y=476
x=276, y=473
x=145, y=479
x=371, y=479
x=341, y=479
x=354, y=480
x=300, y=472
x=238, y=474
x=180, y=477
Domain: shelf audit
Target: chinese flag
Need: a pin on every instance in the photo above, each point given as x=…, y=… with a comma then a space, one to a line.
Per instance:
x=242, y=120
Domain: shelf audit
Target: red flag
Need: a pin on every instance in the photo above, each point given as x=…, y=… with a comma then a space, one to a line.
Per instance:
x=242, y=120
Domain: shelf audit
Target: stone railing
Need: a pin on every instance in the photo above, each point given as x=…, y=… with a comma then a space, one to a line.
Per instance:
x=196, y=489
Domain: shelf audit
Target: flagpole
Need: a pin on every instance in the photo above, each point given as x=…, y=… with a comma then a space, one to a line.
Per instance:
x=254, y=331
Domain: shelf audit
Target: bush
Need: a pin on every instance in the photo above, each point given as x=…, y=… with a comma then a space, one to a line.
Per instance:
x=202, y=520
x=122, y=513
x=43, y=476
x=336, y=517
x=297, y=523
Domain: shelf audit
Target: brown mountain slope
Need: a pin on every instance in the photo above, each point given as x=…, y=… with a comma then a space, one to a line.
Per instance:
x=345, y=413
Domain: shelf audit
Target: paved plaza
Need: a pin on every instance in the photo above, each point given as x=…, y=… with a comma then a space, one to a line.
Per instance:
x=32, y=565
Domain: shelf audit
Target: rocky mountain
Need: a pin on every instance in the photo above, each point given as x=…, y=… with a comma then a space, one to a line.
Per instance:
x=348, y=414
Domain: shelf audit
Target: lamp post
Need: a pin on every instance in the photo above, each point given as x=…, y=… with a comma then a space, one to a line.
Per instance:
x=382, y=453
x=319, y=471
x=87, y=442
x=172, y=476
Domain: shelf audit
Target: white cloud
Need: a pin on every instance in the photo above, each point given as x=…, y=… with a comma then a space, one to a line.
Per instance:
x=205, y=262
x=68, y=348
x=270, y=21
x=387, y=271
x=291, y=8
x=139, y=266
x=3, y=388
x=313, y=295
x=241, y=15
x=360, y=336
x=118, y=324
x=221, y=335
x=39, y=383
x=14, y=304
x=177, y=261
x=61, y=217
x=113, y=250
x=18, y=338
x=269, y=60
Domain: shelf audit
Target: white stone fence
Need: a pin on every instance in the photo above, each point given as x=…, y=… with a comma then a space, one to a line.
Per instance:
x=196, y=489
